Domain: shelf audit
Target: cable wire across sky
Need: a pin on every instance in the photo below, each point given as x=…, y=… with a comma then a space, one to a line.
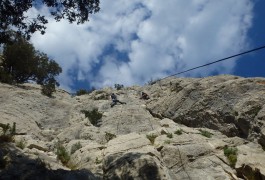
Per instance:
x=224, y=59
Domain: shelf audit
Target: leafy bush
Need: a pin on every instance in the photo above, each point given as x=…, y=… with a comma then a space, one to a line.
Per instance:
x=75, y=147
x=109, y=136
x=178, y=132
x=118, y=86
x=205, y=133
x=94, y=116
x=231, y=154
x=62, y=154
x=151, y=138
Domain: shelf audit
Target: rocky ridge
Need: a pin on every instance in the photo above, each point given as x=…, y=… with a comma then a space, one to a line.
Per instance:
x=180, y=133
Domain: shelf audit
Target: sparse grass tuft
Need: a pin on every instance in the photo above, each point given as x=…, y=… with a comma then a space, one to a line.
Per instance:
x=205, y=133
x=151, y=138
x=231, y=154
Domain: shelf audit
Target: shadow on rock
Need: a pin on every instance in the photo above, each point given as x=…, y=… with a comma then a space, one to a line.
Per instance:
x=15, y=165
x=130, y=166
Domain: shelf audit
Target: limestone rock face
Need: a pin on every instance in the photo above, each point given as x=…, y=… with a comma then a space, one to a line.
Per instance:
x=229, y=104
x=188, y=129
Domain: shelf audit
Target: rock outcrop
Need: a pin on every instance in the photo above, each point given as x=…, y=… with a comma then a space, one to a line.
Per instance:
x=229, y=104
x=200, y=128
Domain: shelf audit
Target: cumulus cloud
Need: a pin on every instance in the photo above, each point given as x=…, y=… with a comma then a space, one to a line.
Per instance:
x=130, y=42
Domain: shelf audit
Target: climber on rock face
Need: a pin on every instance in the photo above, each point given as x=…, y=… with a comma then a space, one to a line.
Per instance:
x=144, y=96
x=115, y=100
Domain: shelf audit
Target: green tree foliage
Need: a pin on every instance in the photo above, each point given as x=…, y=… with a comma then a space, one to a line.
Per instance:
x=22, y=63
x=18, y=58
x=12, y=13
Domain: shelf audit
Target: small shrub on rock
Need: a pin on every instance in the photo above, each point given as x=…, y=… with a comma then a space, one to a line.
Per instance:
x=169, y=135
x=231, y=154
x=84, y=91
x=94, y=116
x=109, y=136
x=98, y=161
x=75, y=147
x=178, y=132
x=62, y=154
x=151, y=137
x=21, y=144
x=8, y=132
x=118, y=86
x=81, y=92
x=205, y=133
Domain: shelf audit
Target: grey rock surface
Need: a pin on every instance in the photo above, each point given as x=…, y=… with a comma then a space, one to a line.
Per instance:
x=229, y=104
x=179, y=133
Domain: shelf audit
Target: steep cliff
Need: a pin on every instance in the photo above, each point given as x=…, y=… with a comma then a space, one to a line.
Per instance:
x=199, y=128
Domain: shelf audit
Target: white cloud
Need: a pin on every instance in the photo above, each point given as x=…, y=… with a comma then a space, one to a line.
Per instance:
x=159, y=37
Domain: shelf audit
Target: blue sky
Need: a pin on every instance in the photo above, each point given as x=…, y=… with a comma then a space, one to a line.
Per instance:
x=253, y=65
x=131, y=42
